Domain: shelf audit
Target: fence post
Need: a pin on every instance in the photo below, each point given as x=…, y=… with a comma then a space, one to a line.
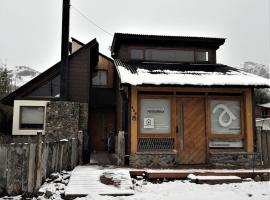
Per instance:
x=80, y=147
x=259, y=141
x=38, y=161
x=121, y=146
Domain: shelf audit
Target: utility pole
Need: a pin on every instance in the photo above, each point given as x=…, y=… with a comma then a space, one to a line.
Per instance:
x=64, y=71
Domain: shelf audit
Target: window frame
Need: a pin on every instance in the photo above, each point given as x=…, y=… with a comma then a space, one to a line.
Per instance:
x=195, y=50
x=228, y=136
x=16, y=130
x=155, y=135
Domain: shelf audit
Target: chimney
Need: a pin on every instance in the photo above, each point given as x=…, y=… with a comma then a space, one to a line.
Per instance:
x=64, y=70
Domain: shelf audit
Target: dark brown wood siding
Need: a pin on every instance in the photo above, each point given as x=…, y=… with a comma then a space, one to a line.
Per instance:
x=79, y=76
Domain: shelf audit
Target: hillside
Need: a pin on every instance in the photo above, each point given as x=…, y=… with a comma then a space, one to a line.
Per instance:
x=21, y=75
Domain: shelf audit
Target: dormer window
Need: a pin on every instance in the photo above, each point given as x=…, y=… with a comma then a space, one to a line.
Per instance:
x=168, y=55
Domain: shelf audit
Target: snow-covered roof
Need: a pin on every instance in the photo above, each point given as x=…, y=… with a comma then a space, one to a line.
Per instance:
x=265, y=105
x=186, y=75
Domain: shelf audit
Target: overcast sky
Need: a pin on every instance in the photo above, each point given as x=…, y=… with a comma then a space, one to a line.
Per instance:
x=30, y=30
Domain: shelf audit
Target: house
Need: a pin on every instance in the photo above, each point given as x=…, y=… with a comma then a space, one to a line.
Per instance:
x=263, y=110
x=38, y=108
x=177, y=105
x=165, y=96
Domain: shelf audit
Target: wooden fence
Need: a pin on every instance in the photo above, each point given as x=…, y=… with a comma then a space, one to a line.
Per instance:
x=263, y=140
x=24, y=166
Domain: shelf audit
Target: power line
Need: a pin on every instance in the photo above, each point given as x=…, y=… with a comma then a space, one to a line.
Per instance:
x=89, y=20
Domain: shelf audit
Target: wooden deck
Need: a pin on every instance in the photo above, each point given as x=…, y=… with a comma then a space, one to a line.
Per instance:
x=86, y=180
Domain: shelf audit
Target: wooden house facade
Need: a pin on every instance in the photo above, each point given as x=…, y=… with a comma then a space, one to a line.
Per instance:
x=181, y=106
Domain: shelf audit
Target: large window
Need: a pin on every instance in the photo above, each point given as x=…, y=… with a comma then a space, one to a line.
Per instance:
x=29, y=117
x=155, y=116
x=225, y=124
x=32, y=117
x=169, y=55
x=225, y=117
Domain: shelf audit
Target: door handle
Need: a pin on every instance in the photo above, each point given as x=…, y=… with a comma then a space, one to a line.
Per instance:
x=177, y=129
x=182, y=124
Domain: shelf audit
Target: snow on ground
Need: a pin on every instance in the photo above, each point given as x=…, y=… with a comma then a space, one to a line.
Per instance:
x=184, y=190
x=55, y=186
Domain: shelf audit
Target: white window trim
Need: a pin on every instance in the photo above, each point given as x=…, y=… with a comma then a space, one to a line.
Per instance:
x=16, y=117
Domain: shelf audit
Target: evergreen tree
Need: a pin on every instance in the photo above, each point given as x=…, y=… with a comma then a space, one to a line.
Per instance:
x=5, y=81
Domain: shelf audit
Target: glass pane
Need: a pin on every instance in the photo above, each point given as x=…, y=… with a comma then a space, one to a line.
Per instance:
x=225, y=117
x=155, y=116
x=136, y=54
x=31, y=117
x=201, y=56
x=50, y=89
x=100, y=78
x=169, y=55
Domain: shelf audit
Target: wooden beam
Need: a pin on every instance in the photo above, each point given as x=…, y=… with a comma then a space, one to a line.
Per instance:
x=134, y=119
x=193, y=89
x=249, y=121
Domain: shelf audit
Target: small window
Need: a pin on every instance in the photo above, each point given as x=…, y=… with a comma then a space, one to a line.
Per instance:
x=32, y=117
x=100, y=78
x=201, y=56
x=136, y=54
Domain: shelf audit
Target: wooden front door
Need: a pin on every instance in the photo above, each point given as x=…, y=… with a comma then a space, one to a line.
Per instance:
x=102, y=126
x=191, y=133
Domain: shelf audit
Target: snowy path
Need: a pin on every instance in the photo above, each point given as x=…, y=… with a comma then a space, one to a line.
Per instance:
x=184, y=190
x=86, y=180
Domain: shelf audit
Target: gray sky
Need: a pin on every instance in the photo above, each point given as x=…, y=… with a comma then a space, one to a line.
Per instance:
x=30, y=32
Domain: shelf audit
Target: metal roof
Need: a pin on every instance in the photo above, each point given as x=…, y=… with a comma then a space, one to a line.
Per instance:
x=120, y=38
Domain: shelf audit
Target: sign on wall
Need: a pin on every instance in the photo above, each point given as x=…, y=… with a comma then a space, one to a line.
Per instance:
x=148, y=123
x=222, y=143
x=225, y=117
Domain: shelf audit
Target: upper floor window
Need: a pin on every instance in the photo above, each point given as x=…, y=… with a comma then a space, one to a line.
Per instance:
x=49, y=89
x=100, y=78
x=169, y=55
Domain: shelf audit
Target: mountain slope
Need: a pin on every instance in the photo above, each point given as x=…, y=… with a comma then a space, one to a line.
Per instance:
x=21, y=75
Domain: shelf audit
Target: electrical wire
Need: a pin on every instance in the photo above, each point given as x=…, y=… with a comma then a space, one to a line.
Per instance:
x=89, y=20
